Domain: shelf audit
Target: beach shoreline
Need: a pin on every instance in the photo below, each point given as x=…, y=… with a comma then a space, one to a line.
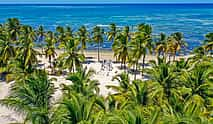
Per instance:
x=104, y=78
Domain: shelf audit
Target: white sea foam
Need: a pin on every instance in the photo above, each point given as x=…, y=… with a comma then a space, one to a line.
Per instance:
x=102, y=25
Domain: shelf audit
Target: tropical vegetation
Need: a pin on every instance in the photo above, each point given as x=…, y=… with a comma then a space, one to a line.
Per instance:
x=171, y=91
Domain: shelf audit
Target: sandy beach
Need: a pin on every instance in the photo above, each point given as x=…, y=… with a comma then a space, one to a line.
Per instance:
x=103, y=76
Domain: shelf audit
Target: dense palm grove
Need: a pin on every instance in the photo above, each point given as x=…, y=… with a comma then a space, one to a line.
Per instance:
x=177, y=91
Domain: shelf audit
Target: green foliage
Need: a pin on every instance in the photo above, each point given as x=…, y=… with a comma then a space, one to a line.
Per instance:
x=31, y=97
x=97, y=37
x=120, y=46
x=174, y=92
x=70, y=59
x=82, y=83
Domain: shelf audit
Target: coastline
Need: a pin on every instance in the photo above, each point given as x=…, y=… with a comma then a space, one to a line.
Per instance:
x=108, y=55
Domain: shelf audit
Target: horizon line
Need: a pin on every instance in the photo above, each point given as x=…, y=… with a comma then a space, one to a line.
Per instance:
x=103, y=3
x=109, y=3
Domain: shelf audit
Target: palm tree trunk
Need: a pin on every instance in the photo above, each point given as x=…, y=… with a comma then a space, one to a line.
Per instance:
x=136, y=69
x=121, y=64
x=73, y=69
x=174, y=56
x=125, y=65
x=169, y=57
x=50, y=59
x=99, y=51
x=82, y=51
x=143, y=64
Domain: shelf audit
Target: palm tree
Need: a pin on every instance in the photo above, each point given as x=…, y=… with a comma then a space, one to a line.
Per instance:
x=139, y=92
x=82, y=82
x=98, y=38
x=31, y=97
x=40, y=34
x=198, y=80
x=209, y=38
x=147, y=30
x=141, y=43
x=164, y=77
x=112, y=32
x=70, y=59
x=50, y=47
x=26, y=52
x=78, y=109
x=83, y=37
x=178, y=42
x=124, y=83
x=119, y=99
x=7, y=49
x=63, y=35
x=13, y=26
x=161, y=46
x=60, y=34
x=120, y=46
x=208, y=42
x=165, y=46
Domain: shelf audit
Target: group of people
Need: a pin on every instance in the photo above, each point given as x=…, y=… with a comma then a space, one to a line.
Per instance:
x=106, y=66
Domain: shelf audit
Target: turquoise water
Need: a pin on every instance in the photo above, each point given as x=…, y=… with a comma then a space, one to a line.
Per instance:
x=192, y=19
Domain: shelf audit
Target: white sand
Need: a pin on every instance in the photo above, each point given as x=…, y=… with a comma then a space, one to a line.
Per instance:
x=104, y=77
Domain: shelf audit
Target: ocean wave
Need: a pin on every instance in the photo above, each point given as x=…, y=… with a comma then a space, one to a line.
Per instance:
x=70, y=7
x=207, y=22
x=126, y=16
x=102, y=25
x=202, y=21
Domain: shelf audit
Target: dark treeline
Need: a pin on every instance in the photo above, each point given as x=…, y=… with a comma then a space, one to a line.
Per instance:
x=177, y=91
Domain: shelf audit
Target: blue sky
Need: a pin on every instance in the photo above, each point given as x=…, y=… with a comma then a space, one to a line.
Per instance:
x=106, y=1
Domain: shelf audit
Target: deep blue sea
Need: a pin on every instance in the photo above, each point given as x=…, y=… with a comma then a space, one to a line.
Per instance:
x=194, y=20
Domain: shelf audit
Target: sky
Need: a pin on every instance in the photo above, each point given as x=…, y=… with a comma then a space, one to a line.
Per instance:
x=106, y=1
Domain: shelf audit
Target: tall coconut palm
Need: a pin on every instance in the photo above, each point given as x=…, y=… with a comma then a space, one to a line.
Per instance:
x=83, y=37
x=147, y=43
x=165, y=46
x=31, y=96
x=136, y=50
x=50, y=52
x=70, y=59
x=7, y=49
x=209, y=38
x=40, y=35
x=178, y=42
x=13, y=26
x=120, y=46
x=161, y=45
x=26, y=52
x=97, y=36
x=112, y=32
x=141, y=43
x=208, y=42
x=61, y=37
x=60, y=34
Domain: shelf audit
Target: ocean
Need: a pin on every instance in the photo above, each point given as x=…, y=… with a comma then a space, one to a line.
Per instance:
x=194, y=20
